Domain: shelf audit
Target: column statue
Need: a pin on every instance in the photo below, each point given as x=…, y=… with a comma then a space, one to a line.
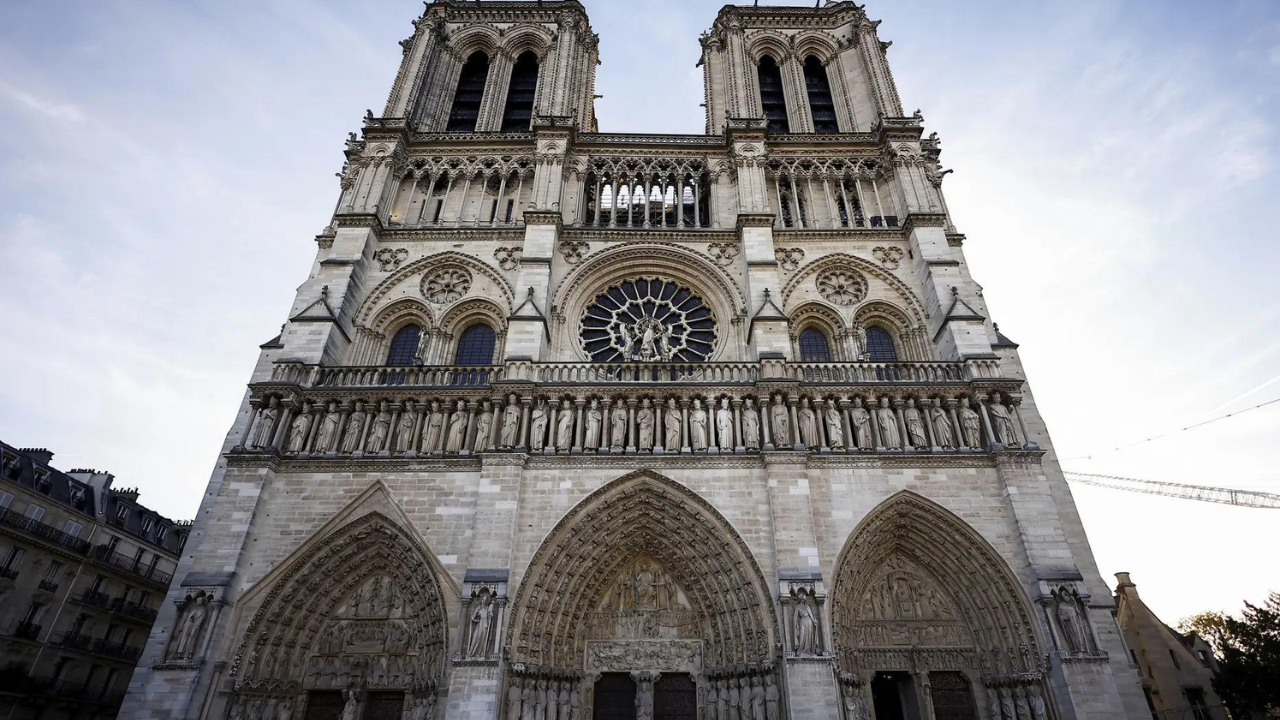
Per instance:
x=724, y=426
x=698, y=427
x=888, y=425
x=457, y=429
x=381, y=428
x=300, y=428
x=673, y=423
x=750, y=425
x=403, y=442
x=618, y=426
x=355, y=428
x=484, y=428
x=538, y=426
x=862, y=431
x=644, y=424
x=915, y=426
x=265, y=425
x=328, y=438
x=942, y=427
x=435, y=428
x=510, y=423
x=564, y=428
x=808, y=422
x=835, y=426
x=780, y=423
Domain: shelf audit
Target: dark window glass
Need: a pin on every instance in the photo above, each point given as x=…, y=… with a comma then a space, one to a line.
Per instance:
x=814, y=346
x=772, y=100
x=880, y=346
x=466, y=101
x=518, y=112
x=404, y=346
x=476, y=346
x=820, y=103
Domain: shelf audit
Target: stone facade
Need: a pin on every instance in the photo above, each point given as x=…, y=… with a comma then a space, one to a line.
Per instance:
x=83, y=570
x=567, y=423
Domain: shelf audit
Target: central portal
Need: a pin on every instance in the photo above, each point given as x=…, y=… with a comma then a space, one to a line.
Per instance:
x=615, y=697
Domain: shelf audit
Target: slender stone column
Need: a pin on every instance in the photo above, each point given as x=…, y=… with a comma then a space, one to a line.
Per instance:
x=766, y=415
x=579, y=403
x=684, y=426
x=796, y=442
x=905, y=434
x=740, y=445
x=522, y=444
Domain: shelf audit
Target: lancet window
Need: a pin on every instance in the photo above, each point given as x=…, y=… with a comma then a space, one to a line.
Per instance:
x=404, y=346
x=880, y=346
x=466, y=100
x=773, y=100
x=821, y=106
x=814, y=346
x=638, y=197
x=810, y=194
x=476, y=346
x=518, y=113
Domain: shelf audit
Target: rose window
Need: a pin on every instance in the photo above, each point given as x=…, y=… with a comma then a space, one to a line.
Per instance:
x=445, y=286
x=842, y=286
x=648, y=320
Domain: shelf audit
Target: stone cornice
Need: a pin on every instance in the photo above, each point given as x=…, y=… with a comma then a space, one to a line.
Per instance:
x=603, y=234
x=444, y=234
x=357, y=220
x=746, y=220
x=923, y=219
x=827, y=235
x=542, y=217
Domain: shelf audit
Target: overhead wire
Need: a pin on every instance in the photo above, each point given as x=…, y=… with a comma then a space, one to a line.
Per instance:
x=1173, y=432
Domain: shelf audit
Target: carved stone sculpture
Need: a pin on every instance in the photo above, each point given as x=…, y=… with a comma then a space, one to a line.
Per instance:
x=724, y=426
x=299, y=429
x=618, y=426
x=807, y=420
x=835, y=426
x=915, y=425
x=403, y=441
x=698, y=427
x=862, y=431
x=481, y=620
x=191, y=619
x=971, y=424
x=380, y=430
x=750, y=425
x=566, y=705
x=355, y=428
x=644, y=425
x=757, y=698
x=564, y=428
x=594, y=418
x=264, y=426
x=327, y=441
x=514, y=699
x=771, y=699
x=1002, y=423
x=484, y=428
x=644, y=698
x=780, y=423
x=806, y=624
x=528, y=708
x=673, y=423
x=723, y=699
x=942, y=432
x=1071, y=623
x=457, y=429
x=435, y=428
x=510, y=423
x=888, y=426
x=538, y=426
x=285, y=711
x=352, y=704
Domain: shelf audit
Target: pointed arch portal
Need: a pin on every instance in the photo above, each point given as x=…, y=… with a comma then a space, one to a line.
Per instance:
x=926, y=613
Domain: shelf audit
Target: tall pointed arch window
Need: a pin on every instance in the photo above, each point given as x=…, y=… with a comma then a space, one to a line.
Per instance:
x=814, y=346
x=476, y=345
x=821, y=106
x=518, y=113
x=880, y=345
x=404, y=345
x=466, y=100
x=772, y=99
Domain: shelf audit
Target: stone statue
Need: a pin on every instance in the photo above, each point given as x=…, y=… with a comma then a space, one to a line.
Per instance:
x=757, y=698
x=888, y=425
x=564, y=428
x=672, y=421
x=698, y=427
x=527, y=706
x=194, y=612
x=510, y=423
x=771, y=699
x=538, y=426
x=540, y=701
x=1002, y=423
x=724, y=426
x=575, y=704
x=942, y=426
x=971, y=426
x=265, y=425
x=862, y=431
x=709, y=704
x=422, y=352
x=484, y=428
x=735, y=698
x=723, y=699
x=644, y=425
x=237, y=710
x=780, y=423
x=355, y=428
x=618, y=426
x=861, y=335
x=808, y=425
x=285, y=712
x=750, y=425
x=806, y=625
x=457, y=436
x=566, y=706
x=915, y=426
x=835, y=426
x=300, y=429
x=352, y=704
x=1073, y=633
x=435, y=429
x=380, y=430
x=403, y=442
x=644, y=698
x=594, y=417
x=481, y=619
x=328, y=438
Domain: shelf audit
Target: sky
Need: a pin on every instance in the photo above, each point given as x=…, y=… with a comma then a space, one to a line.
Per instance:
x=165, y=166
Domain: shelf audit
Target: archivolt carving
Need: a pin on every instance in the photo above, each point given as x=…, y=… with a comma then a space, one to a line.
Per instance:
x=642, y=546
x=463, y=314
x=914, y=308
x=401, y=313
x=913, y=576
x=476, y=36
x=528, y=36
x=818, y=44
x=823, y=316
x=404, y=279
x=366, y=598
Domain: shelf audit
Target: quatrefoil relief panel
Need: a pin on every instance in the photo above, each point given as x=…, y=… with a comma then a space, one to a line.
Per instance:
x=842, y=286
x=446, y=285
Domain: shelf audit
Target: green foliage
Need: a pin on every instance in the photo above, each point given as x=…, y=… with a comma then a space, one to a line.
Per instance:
x=1210, y=625
x=1248, y=650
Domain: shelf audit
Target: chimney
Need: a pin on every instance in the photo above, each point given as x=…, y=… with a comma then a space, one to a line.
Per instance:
x=93, y=478
x=40, y=455
x=1125, y=586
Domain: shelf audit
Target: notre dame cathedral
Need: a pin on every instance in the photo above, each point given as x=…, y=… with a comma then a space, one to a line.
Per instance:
x=568, y=424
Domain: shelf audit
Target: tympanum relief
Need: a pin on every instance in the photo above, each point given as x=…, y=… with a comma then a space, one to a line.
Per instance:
x=370, y=642
x=644, y=603
x=902, y=606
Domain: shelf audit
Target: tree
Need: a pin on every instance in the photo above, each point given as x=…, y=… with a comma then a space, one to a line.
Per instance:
x=1248, y=650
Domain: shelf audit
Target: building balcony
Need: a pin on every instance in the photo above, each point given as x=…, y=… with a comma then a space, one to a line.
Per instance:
x=48, y=586
x=105, y=554
x=27, y=630
x=94, y=598
x=133, y=610
x=33, y=528
x=8, y=574
x=18, y=682
x=823, y=407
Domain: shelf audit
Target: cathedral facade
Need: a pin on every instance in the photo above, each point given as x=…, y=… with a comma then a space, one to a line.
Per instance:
x=570, y=424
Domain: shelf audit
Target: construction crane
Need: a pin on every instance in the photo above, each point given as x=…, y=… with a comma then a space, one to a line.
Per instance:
x=1224, y=496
